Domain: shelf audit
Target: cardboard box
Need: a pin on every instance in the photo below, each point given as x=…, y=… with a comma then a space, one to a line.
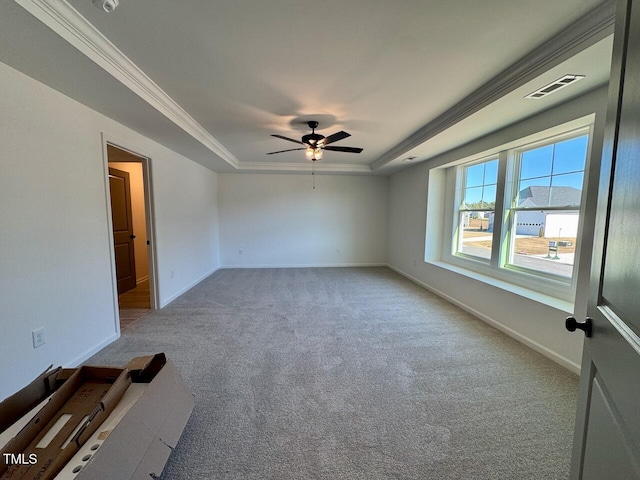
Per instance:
x=134, y=441
x=52, y=437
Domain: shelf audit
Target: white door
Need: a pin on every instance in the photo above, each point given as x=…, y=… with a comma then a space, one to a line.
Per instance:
x=607, y=438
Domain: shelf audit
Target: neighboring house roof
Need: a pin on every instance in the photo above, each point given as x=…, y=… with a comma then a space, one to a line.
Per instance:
x=539, y=196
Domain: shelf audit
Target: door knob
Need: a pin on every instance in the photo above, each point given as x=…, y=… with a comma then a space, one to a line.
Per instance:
x=132, y=237
x=572, y=324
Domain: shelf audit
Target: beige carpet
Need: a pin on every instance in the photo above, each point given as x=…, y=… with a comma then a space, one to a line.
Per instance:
x=352, y=373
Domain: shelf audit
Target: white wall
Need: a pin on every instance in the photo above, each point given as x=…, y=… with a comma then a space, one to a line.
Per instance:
x=561, y=225
x=534, y=323
x=55, y=264
x=280, y=220
x=187, y=226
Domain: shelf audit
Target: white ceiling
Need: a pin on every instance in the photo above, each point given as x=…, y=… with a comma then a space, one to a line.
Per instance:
x=242, y=70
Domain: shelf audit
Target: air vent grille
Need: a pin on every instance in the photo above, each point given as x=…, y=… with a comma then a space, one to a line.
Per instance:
x=554, y=86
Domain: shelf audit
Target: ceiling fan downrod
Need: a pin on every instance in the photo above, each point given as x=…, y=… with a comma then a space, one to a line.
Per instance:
x=312, y=138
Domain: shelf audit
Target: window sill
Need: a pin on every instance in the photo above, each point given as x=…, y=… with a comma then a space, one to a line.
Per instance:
x=545, y=299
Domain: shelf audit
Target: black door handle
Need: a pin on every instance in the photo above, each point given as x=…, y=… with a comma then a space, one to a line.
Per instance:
x=132, y=237
x=572, y=324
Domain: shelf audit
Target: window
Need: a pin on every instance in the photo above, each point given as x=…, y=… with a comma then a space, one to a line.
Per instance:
x=546, y=212
x=477, y=209
x=514, y=214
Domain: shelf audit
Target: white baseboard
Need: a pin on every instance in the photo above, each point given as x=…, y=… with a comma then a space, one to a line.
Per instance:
x=92, y=351
x=556, y=357
x=308, y=265
x=167, y=301
x=142, y=279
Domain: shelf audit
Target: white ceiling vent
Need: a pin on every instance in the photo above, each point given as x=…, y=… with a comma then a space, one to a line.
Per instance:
x=555, y=86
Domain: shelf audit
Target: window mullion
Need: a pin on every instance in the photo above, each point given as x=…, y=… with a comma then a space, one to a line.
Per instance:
x=498, y=223
x=547, y=209
x=454, y=183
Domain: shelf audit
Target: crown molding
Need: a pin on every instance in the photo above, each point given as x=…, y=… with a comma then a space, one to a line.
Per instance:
x=284, y=167
x=584, y=32
x=67, y=22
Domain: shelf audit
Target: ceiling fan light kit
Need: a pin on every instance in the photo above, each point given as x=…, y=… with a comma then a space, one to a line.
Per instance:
x=313, y=154
x=314, y=143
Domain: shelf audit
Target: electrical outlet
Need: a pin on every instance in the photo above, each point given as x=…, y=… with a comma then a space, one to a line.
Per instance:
x=173, y=274
x=38, y=337
x=415, y=263
x=240, y=252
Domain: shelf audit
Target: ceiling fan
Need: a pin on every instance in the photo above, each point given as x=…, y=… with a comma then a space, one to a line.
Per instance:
x=314, y=143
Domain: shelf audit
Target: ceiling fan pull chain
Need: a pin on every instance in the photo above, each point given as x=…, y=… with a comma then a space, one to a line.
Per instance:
x=313, y=174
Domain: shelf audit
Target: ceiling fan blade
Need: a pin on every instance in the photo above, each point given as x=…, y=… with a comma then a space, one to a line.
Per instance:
x=344, y=149
x=336, y=136
x=287, y=138
x=290, y=150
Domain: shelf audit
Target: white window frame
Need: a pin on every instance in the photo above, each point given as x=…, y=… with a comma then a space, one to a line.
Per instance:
x=459, y=196
x=561, y=288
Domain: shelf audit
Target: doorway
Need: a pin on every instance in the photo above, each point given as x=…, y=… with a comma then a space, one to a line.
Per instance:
x=130, y=219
